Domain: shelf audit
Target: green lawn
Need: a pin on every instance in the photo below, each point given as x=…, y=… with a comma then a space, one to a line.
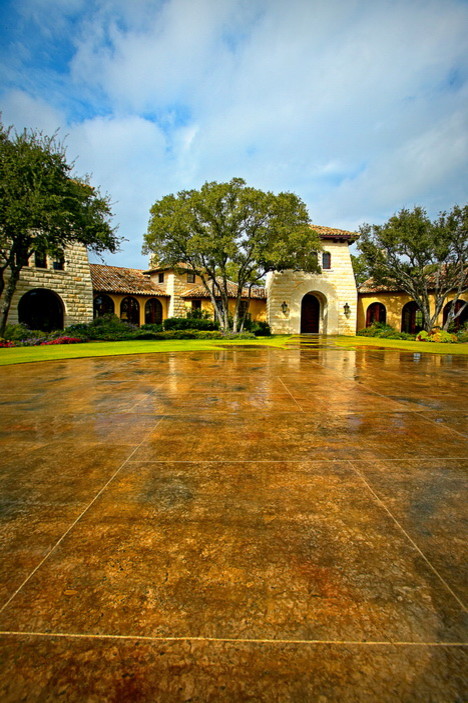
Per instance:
x=426, y=347
x=22, y=355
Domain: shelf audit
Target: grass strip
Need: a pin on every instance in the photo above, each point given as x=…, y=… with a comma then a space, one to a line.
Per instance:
x=23, y=355
x=401, y=344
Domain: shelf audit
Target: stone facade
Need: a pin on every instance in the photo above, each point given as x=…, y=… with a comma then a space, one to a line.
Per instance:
x=72, y=285
x=334, y=288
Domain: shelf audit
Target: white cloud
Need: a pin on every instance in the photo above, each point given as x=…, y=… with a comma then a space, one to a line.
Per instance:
x=356, y=106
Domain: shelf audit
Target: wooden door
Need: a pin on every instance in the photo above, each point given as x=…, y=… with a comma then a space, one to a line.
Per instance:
x=310, y=314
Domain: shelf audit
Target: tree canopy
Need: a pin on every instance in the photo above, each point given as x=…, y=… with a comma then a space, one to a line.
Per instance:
x=360, y=269
x=43, y=207
x=421, y=257
x=230, y=232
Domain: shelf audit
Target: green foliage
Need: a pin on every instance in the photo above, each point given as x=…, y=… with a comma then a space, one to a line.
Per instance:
x=419, y=256
x=152, y=327
x=383, y=331
x=107, y=327
x=259, y=328
x=16, y=333
x=229, y=231
x=360, y=268
x=43, y=207
x=437, y=335
x=189, y=323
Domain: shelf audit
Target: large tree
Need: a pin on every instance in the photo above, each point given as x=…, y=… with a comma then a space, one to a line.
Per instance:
x=231, y=233
x=422, y=257
x=43, y=207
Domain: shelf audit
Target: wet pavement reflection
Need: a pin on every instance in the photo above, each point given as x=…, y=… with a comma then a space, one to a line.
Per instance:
x=243, y=524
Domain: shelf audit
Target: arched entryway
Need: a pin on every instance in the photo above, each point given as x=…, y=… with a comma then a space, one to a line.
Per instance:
x=153, y=312
x=41, y=309
x=462, y=318
x=411, y=318
x=376, y=312
x=103, y=305
x=130, y=310
x=310, y=314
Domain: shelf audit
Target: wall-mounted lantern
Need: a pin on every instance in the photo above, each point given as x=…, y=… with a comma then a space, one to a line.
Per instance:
x=346, y=310
x=284, y=307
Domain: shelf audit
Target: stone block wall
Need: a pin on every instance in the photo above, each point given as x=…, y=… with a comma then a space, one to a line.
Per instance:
x=333, y=287
x=72, y=285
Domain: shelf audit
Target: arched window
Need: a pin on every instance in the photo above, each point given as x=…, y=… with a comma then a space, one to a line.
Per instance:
x=462, y=317
x=103, y=305
x=153, y=312
x=130, y=310
x=41, y=309
x=376, y=312
x=326, y=260
x=411, y=318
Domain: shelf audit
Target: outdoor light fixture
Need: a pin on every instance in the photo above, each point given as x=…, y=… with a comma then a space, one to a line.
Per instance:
x=284, y=307
x=347, y=310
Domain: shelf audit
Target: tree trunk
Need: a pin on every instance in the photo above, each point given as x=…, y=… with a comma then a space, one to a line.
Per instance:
x=7, y=297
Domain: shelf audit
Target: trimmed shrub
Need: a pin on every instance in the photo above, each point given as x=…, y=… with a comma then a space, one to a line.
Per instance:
x=437, y=335
x=17, y=333
x=108, y=328
x=189, y=323
x=379, y=330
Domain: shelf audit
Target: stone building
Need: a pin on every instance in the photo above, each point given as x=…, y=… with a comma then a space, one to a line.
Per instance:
x=323, y=303
x=54, y=294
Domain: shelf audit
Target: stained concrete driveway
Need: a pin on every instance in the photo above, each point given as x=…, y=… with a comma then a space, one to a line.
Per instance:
x=242, y=525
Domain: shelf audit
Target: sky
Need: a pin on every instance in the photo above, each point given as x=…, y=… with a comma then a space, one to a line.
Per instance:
x=357, y=106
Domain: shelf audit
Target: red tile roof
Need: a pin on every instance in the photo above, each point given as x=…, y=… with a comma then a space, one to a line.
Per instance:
x=370, y=287
x=200, y=292
x=331, y=233
x=116, y=279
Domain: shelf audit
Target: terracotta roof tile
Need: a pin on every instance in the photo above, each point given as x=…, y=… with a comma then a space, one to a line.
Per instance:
x=370, y=287
x=116, y=279
x=331, y=233
x=200, y=292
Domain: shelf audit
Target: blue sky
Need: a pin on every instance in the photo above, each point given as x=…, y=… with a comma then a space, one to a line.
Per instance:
x=358, y=106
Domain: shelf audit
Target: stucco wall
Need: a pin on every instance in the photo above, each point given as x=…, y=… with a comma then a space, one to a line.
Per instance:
x=118, y=297
x=394, y=303
x=333, y=287
x=72, y=285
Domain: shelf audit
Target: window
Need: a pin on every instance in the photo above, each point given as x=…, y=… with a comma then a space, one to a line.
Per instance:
x=40, y=260
x=59, y=262
x=196, y=304
x=130, y=310
x=160, y=278
x=153, y=312
x=190, y=278
x=326, y=260
x=103, y=305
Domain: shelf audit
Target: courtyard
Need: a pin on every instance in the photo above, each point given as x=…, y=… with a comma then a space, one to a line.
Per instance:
x=241, y=524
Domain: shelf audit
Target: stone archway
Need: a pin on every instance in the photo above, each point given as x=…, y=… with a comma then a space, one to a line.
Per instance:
x=310, y=314
x=41, y=309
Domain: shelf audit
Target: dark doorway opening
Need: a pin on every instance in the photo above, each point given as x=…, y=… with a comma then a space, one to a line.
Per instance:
x=310, y=314
x=153, y=312
x=376, y=313
x=130, y=310
x=462, y=318
x=41, y=309
x=411, y=318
